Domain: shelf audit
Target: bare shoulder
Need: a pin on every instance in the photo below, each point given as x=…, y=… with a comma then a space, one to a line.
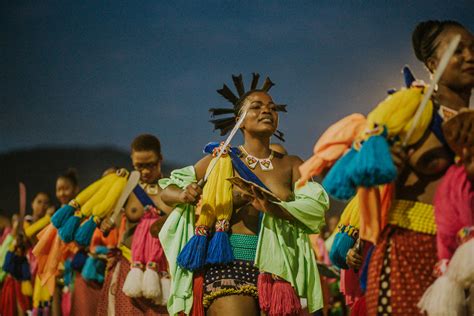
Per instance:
x=293, y=162
x=201, y=166
x=290, y=160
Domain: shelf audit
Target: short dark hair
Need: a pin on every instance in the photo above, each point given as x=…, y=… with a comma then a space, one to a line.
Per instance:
x=41, y=192
x=147, y=142
x=424, y=37
x=71, y=176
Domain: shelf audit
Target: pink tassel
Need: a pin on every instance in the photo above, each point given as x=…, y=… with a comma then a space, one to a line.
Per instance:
x=264, y=285
x=154, y=250
x=156, y=261
x=66, y=303
x=46, y=311
x=454, y=209
x=138, y=242
x=198, y=295
x=285, y=302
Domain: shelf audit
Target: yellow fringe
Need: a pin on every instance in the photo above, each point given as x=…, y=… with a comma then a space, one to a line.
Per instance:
x=88, y=192
x=351, y=214
x=250, y=290
x=397, y=111
x=98, y=196
x=113, y=194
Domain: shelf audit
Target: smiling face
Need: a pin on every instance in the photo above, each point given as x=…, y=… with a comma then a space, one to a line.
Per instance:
x=39, y=205
x=459, y=73
x=262, y=117
x=65, y=190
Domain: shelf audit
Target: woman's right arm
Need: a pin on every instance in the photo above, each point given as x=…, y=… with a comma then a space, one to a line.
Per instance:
x=173, y=195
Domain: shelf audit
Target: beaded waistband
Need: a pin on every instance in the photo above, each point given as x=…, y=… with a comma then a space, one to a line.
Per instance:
x=413, y=215
x=244, y=247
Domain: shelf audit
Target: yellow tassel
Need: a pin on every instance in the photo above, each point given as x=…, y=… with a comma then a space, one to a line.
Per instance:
x=34, y=228
x=99, y=196
x=26, y=288
x=397, y=111
x=223, y=198
x=102, y=209
x=88, y=192
x=351, y=214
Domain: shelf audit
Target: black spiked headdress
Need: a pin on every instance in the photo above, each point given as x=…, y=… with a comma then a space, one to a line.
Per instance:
x=226, y=124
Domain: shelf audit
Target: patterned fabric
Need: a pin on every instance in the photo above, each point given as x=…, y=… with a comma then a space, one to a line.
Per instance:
x=124, y=305
x=244, y=247
x=404, y=276
x=85, y=297
x=236, y=278
x=415, y=216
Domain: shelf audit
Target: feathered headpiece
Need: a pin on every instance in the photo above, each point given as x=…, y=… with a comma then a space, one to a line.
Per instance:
x=227, y=123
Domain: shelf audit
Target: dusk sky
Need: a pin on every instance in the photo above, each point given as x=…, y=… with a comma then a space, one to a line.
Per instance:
x=93, y=73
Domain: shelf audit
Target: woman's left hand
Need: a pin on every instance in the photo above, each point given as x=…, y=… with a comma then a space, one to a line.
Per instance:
x=260, y=201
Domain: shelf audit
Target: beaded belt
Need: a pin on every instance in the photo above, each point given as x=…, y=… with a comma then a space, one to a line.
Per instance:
x=244, y=247
x=413, y=215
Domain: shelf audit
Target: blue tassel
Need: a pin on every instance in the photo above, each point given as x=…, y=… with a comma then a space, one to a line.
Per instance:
x=101, y=250
x=219, y=250
x=84, y=233
x=89, y=271
x=67, y=272
x=373, y=165
x=338, y=182
x=67, y=231
x=342, y=243
x=408, y=76
x=365, y=269
x=25, y=271
x=61, y=215
x=100, y=269
x=9, y=263
x=335, y=255
x=193, y=256
x=79, y=260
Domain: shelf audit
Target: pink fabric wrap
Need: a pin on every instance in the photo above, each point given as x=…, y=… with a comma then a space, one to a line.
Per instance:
x=145, y=247
x=334, y=142
x=454, y=209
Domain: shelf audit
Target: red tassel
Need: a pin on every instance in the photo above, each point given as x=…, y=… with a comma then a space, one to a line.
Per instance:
x=285, y=302
x=22, y=300
x=359, y=308
x=264, y=285
x=8, y=302
x=198, y=295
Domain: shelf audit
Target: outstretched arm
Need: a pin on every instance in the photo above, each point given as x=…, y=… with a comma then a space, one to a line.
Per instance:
x=173, y=195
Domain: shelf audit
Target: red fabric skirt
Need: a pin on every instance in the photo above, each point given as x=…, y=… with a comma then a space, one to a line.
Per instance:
x=11, y=297
x=125, y=305
x=401, y=269
x=85, y=297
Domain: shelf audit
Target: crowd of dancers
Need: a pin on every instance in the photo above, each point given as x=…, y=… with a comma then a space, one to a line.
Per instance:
x=243, y=230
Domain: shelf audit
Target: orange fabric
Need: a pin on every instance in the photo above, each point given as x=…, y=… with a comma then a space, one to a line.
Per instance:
x=334, y=142
x=374, y=204
x=45, y=240
x=98, y=239
x=122, y=228
x=387, y=195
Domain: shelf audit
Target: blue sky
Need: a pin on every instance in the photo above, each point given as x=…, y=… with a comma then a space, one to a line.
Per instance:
x=95, y=73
